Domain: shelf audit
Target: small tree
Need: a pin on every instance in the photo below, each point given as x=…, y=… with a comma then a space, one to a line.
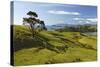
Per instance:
x=32, y=20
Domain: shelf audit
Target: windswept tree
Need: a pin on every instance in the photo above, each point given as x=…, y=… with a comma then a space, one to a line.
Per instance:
x=32, y=21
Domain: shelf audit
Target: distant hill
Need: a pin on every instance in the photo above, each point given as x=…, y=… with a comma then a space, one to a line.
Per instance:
x=58, y=26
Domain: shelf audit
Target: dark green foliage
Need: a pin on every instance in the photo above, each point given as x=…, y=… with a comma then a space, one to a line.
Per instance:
x=32, y=14
x=43, y=27
x=32, y=20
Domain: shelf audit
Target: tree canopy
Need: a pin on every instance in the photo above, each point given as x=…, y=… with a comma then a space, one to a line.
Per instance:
x=32, y=20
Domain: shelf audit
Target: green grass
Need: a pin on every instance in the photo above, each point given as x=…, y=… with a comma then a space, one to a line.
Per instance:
x=89, y=41
x=50, y=47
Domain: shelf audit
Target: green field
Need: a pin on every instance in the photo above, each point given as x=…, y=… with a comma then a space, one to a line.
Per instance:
x=50, y=47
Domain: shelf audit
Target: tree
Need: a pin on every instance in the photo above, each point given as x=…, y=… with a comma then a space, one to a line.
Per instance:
x=43, y=25
x=32, y=14
x=32, y=20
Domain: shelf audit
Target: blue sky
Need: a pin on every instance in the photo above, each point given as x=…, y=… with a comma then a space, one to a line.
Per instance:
x=53, y=13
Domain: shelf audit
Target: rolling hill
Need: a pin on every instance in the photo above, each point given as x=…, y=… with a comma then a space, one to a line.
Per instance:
x=50, y=47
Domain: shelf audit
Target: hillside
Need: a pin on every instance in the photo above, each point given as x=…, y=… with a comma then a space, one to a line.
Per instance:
x=49, y=47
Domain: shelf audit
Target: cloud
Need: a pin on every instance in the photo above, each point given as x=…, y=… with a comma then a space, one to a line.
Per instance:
x=86, y=20
x=92, y=19
x=63, y=12
x=78, y=19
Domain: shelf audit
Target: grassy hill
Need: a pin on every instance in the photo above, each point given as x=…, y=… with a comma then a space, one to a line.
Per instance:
x=49, y=47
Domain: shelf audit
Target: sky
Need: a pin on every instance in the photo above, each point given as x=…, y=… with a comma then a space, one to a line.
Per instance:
x=54, y=13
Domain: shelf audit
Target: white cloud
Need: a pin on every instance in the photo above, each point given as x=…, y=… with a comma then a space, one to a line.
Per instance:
x=86, y=20
x=92, y=19
x=82, y=22
x=63, y=12
x=76, y=18
x=79, y=19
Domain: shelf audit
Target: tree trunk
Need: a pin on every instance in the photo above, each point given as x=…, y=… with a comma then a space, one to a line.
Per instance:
x=32, y=30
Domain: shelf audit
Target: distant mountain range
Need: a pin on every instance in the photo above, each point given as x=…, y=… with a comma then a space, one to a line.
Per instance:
x=58, y=26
